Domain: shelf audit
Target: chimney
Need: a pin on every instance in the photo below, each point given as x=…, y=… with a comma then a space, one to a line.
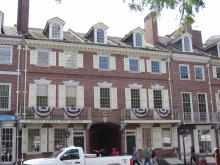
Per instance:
x=197, y=38
x=23, y=16
x=1, y=21
x=150, y=27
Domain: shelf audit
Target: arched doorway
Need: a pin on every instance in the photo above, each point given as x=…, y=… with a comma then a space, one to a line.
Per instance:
x=105, y=135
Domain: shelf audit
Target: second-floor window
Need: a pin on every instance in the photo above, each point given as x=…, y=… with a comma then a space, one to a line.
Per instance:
x=199, y=73
x=100, y=36
x=5, y=54
x=186, y=104
x=184, y=72
x=135, y=98
x=202, y=106
x=133, y=65
x=103, y=62
x=158, y=102
x=4, y=97
x=138, y=40
x=56, y=31
x=42, y=95
x=71, y=96
x=104, y=98
x=155, y=66
x=43, y=57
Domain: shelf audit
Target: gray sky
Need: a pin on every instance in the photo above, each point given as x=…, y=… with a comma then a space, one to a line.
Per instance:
x=80, y=15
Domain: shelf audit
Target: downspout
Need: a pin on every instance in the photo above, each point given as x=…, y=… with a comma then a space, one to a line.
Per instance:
x=25, y=80
x=210, y=89
x=170, y=86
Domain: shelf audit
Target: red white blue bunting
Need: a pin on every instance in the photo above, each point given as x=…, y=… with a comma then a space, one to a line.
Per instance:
x=43, y=111
x=140, y=112
x=73, y=111
x=163, y=113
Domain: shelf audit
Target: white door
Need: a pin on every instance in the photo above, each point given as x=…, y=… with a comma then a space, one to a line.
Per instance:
x=188, y=144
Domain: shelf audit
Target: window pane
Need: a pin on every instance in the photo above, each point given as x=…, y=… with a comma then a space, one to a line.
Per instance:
x=70, y=96
x=184, y=72
x=204, y=137
x=186, y=44
x=133, y=65
x=71, y=60
x=135, y=98
x=4, y=96
x=155, y=66
x=59, y=138
x=166, y=137
x=42, y=95
x=202, y=107
x=199, y=73
x=103, y=62
x=6, y=144
x=186, y=102
x=33, y=140
x=5, y=54
x=72, y=154
x=138, y=39
x=104, y=97
x=157, y=99
x=56, y=31
x=43, y=57
x=100, y=36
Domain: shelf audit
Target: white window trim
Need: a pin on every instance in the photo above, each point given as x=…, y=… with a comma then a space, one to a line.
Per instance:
x=33, y=152
x=108, y=56
x=104, y=84
x=134, y=39
x=42, y=82
x=191, y=103
x=157, y=60
x=95, y=34
x=72, y=53
x=134, y=132
x=41, y=65
x=203, y=73
x=11, y=49
x=84, y=135
x=50, y=30
x=171, y=138
x=207, y=110
x=134, y=58
x=188, y=72
x=9, y=101
x=135, y=86
x=218, y=49
x=190, y=43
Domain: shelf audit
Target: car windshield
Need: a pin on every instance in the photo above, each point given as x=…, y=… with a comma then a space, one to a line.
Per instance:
x=56, y=153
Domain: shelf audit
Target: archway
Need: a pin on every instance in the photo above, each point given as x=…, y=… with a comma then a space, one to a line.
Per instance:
x=105, y=135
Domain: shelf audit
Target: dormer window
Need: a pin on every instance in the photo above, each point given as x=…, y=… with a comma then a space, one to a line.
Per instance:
x=186, y=43
x=100, y=36
x=218, y=47
x=56, y=31
x=138, y=40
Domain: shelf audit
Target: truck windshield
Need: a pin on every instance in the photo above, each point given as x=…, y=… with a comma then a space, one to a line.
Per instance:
x=56, y=153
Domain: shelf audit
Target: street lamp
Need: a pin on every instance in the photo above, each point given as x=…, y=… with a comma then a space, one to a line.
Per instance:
x=183, y=132
x=66, y=135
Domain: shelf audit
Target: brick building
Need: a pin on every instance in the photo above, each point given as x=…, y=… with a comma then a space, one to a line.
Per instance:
x=139, y=90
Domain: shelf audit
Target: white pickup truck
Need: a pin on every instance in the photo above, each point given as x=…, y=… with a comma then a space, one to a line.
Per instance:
x=74, y=155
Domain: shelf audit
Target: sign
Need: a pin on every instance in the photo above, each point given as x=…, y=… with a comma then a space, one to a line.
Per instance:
x=7, y=118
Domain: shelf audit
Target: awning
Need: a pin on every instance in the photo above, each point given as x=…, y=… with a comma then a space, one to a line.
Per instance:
x=7, y=118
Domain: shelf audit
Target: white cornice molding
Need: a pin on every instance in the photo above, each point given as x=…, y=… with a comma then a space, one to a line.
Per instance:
x=190, y=58
x=71, y=83
x=135, y=86
x=42, y=82
x=157, y=87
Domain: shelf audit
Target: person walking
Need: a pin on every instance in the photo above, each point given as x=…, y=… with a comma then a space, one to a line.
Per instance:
x=202, y=160
x=193, y=156
x=147, y=156
x=154, y=158
x=135, y=156
x=217, y=156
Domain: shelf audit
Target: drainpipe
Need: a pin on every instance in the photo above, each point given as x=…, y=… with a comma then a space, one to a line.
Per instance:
x=210, y=88
x=25, y=79
x=170, y=86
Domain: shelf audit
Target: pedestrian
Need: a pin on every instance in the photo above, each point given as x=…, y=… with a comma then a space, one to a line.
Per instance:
x=114, y=152
x=147, y=156
x=193, y=155
x=154, y=158
x=135, y=156
x=202, y=160
x=217, y=156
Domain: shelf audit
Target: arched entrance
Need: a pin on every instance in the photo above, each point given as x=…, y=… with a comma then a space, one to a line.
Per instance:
x=105, y=135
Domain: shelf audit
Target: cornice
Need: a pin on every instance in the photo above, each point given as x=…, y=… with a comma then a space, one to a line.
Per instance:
x=10, y=40
x=190, y=58
x=215, y=62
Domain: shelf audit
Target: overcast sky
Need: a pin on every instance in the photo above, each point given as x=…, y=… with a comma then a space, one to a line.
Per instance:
x=80, y=15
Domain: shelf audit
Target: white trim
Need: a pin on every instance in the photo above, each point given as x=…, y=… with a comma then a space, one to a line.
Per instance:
x=188, y=72
x=203, y=72
x=206, y=101
x=104, y=55
x=133, y=132
x=71, y=83
x=9, y=100
x=190, y=58
x=191, y=104
x=104, y=84
x=157, y=87
x=84, y=136
x=218, y=49
x=134, y=58
x=190, y=42
x=156, y=60
x=135, y=86
x=42, y=82
x=9, y=73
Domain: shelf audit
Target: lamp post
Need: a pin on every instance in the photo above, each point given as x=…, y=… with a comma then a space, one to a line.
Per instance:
x=66, y=135
x=183, y=132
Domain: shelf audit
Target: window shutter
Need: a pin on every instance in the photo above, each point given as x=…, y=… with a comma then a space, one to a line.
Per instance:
x=139, y=140
x=217, y=102
x=157, y=137
x=213, y=139
x=128, y=98
x=52, y=95
x=174, y=137
x=43, y=139
x=214, y=71
x=96, y=97
x=163, y=67
x=61, y=59
x=80, y=96
x=114, y=96
x=196, y=141
x=51, y=140
x=112, y=63
x=148, y=65
x=70, y=139
x=32, y=95
x=95, y=61
x=62, y=96
x=126, y=64
x=53, y=58
x=151, y=98
x=142, y=65
x=33, y=57
x=80, y=60
x=143, y=94
x=165, y=99
x=24, y=140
